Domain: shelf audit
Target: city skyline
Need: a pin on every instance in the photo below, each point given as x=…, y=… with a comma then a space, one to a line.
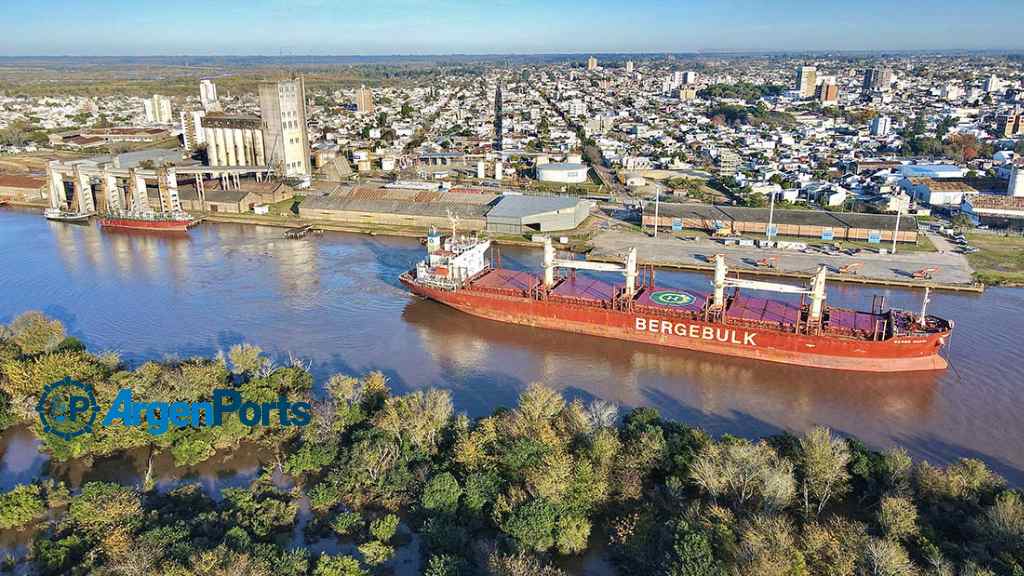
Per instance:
x=315, y=27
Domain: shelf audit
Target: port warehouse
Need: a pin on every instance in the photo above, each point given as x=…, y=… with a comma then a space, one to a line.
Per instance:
x=22, y=188
x=475, y=209
x=796, y=223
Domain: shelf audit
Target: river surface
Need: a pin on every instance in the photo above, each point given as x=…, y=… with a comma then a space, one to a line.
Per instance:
x=334, y=301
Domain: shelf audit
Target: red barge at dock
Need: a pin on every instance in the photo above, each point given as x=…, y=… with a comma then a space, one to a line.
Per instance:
x=153, y=222
x=458, y=273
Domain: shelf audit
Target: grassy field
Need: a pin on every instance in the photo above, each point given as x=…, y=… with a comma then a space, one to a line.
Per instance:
x=1000, y=260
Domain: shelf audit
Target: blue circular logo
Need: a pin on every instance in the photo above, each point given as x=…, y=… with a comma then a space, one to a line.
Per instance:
x=670, y=298
x=67, y=408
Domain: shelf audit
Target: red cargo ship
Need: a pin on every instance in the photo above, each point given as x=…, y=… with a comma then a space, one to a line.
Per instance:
x=176, y=222
x=458, y=274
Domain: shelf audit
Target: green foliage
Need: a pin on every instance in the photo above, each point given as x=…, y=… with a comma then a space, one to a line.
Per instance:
x=376, y=553
x=338, y=566
x=383, y=528
x=311, y=457
x=347, y=523
x=534, y=479
x=533, y=525
x=101, y=507
x=572, y=533
x=21, y=506
x=446, y=565
x=752, y=115
x=34, y=333
x=691, y=553
x=262, y=509
x=441, y=494
x=741, y=90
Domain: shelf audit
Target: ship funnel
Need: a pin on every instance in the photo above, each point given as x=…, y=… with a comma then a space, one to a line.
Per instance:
x=720, y=271
x=630, y=273
x=549, y=263
x=817, y=290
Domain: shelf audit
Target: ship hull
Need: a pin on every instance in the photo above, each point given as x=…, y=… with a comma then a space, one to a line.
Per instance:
x=151, y=225
x=899, y=354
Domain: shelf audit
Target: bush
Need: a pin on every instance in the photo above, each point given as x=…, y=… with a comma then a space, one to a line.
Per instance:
x=533, y=525
x=446, y=565
x=376, y=553
x=34, y=333
x=897, y=517
x=442, y=494
x=347, y=523
x=384, y=528
x=338, y=566
x=21, y=506
x=573, y=533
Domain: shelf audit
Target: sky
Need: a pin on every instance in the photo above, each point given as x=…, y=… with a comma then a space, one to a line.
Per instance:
x=386, y=27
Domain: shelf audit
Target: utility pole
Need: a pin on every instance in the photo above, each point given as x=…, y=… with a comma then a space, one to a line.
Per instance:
x=657, y=201
x=897, y=232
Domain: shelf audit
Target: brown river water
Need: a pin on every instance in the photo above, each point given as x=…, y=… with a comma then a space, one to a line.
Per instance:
x=335, y=300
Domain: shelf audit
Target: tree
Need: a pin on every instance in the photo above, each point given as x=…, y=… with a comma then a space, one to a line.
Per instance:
x=745, y=475
x=887, y=558
x=246, y=359
x=533, y=525
x=338, y=566
x=34, y=333
x=376, y=552
x=20, y=506
x=383, y=528
x=897, y=516
x=441, y=494
x=691, y=553
x=961, y=221
x=823, y=466
x=572, y=534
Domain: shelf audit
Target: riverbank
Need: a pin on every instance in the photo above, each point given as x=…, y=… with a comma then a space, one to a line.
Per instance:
x=947, y=270
x=999, y=260
x=375, y=467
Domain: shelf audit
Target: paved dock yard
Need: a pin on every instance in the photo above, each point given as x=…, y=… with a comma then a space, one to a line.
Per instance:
x=954, y=272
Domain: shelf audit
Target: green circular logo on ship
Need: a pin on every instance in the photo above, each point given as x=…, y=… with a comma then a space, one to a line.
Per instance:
x=669, y=298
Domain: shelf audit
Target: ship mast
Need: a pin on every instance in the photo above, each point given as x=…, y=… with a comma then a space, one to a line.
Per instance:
x=924, y=306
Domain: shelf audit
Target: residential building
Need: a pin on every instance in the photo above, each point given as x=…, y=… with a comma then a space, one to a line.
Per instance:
x=192, y=131
x=877, y=79
x=629, y=66
x=1010, y=124
x=591, y=63
x=881, y=125
x=827, y=93
x=806, y=81
x=364, y=100
x=283, y=107
x=208, y=96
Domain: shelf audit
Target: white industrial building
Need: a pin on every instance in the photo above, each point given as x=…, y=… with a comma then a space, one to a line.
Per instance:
x=283, y=107
x=563, y=172
x=158, y=109
x=234, y=140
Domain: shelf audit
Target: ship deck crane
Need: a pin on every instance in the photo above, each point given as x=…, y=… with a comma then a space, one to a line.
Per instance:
x=551, y=263
x=816, y=289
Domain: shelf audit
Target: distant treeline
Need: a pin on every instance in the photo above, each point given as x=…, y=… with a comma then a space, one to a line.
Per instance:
x=506, y=495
